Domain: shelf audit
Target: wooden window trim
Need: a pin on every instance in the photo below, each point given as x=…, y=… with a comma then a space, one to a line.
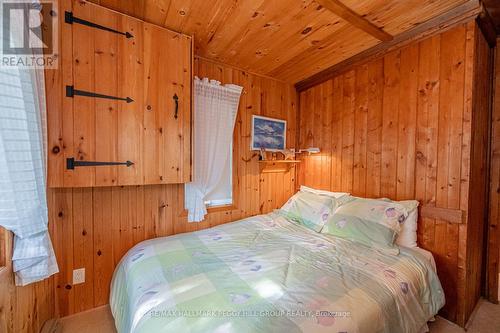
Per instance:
x=3, y=249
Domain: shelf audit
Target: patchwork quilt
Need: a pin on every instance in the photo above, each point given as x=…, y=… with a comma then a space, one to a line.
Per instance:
x=269, y=274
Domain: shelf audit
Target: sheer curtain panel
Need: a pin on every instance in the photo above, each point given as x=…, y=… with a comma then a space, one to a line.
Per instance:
x=215, y=109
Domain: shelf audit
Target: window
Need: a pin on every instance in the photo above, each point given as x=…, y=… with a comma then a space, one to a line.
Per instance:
x=222, y=194
x=214, y=113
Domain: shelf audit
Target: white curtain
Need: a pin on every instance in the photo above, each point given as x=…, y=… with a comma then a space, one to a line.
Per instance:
x=23, y=206
x=215, y=109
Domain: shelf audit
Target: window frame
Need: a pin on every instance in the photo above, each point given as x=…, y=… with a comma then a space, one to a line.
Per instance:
x=3, y=248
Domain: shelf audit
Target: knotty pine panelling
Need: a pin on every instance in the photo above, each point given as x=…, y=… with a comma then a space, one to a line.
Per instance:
x=94, y=227
x=289, y=40
x=401, y=126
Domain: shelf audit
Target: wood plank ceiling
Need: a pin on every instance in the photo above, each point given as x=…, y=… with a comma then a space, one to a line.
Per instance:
x=287, y=39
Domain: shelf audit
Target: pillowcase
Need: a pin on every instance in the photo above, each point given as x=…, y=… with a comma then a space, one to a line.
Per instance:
x=374, y=223
x=362, y=231
x=309, y=209
x=322, y=192
x=387, y=213
x=408, y=234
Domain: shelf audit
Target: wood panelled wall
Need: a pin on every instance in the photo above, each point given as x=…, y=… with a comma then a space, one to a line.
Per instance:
x=94, y=227
x=401, y=126
x=494, y=211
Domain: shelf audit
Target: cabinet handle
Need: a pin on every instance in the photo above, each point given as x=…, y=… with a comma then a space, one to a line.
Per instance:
x=176, y=100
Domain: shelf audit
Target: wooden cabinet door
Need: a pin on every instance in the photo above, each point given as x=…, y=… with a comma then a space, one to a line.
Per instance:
x=107, y=129
x=167, y=112
x=144, y=72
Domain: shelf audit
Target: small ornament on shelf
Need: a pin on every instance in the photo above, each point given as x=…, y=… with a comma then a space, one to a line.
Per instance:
x=289, y=154
x=262, y=154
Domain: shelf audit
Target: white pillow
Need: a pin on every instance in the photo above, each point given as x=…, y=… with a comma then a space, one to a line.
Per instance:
x=407, y=236
x=322, y=192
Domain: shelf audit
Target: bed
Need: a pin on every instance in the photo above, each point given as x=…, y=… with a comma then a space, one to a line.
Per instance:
x=269, y=274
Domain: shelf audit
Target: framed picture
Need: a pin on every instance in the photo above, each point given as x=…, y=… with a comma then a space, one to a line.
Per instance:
x=268, y=134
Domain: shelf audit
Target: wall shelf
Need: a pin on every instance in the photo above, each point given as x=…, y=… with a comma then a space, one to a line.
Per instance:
x=276, y=165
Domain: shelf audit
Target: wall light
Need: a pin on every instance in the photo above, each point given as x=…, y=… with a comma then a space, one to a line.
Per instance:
x=311, y=150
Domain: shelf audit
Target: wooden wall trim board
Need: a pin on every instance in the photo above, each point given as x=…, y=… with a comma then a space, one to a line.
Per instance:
x=437, y=25
x=479, y=172
x=3, y=248
x=493, y=261
x=443, y=214
x=216, y=62
x=487, y=26
x=411, y=124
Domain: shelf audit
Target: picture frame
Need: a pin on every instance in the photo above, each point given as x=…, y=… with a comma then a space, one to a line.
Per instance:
x=268, y=134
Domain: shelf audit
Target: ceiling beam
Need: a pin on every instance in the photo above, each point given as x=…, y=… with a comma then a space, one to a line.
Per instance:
x=463, y=13
x=346, y=13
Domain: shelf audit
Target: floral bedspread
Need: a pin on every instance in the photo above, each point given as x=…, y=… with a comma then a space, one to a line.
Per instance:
x=269, y=274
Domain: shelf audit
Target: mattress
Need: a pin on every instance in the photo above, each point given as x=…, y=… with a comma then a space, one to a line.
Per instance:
x=268, y=274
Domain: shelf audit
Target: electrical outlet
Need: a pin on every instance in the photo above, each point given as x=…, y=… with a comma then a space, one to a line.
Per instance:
x=78, y=276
